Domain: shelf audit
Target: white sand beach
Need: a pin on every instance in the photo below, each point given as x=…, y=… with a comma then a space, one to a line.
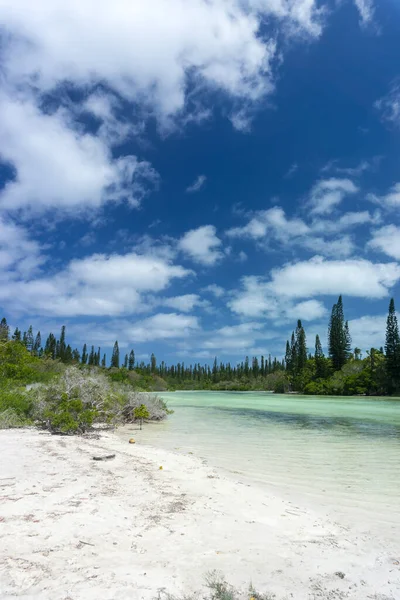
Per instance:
x=77, y=529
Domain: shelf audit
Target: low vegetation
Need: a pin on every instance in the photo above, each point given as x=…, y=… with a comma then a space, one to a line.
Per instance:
x=65, y=391
x=66, y=399
x=219, y=589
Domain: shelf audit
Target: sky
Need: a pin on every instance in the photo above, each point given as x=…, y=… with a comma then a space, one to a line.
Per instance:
x=191, y=177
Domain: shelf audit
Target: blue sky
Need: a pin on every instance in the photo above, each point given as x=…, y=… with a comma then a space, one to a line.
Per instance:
x=190, y=178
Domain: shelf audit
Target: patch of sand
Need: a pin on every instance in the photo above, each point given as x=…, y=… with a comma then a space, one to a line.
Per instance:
x=78, y=529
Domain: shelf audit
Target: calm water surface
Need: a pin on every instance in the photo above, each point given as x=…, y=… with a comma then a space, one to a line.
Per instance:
x=337, y=453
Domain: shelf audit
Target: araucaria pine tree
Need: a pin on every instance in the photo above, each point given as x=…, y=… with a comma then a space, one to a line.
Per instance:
x=115, y=356
x=84, y=357
x=29, y=339
x=339, y=340
x=392, y=347
x=131, y=361
x=38, y=343
x=301, y=347
x=319, y=358
x=4, y=330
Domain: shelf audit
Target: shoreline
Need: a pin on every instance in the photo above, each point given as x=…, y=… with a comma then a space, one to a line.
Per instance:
x=81, y=529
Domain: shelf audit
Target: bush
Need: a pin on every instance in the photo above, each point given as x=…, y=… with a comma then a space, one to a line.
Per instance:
x=9, y=419
x=17, y=400
x=219, y=589
x=79, y=399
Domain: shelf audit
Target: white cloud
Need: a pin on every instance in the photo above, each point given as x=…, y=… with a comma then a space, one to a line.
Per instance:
x=20, y=256
x=184, y=303
x=331, y=277
x=163, y=326
x=273, y=225
x=291, y=171
x=59, y=166
x=258, y=298
x=327, y=194
x=197, y=184
x=153, y=55
x=366, y=10
x=214, y=289
x=390, y=200
x=339, y=246
x=387, y=240
x=309, y=310
x=389, y=105
x=272, y=221
x=97, y=285
x=363, y=166
x=368, y=331
x=254, y=299
x=144, y=49
x=202, y=245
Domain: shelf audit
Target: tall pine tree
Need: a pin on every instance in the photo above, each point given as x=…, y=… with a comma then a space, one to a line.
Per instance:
x=301, y=347
x=339, y=340
x=4, y=330
x=37, y=344
x=84, y=356
x=131, y=360
x=115, y=356
x=392, y=347
x=319, y=358
x=29, y=339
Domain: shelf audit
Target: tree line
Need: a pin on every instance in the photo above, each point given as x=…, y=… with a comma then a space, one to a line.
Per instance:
x=342, y=371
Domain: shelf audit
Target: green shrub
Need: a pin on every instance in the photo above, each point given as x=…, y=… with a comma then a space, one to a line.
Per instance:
x=80, y=399
x=9, y=419
x=219, y=589
x=17, y=400
x=69, y=416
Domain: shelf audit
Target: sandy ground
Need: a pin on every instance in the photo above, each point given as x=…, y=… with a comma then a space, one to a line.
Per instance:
x=73, y=528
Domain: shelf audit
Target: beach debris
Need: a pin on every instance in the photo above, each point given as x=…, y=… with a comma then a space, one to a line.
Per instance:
x=85, y=543
x=340, y=574
x=107, y=457
x=132, y=441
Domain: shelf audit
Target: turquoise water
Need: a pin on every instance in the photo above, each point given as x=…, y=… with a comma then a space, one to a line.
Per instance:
x=337, y=454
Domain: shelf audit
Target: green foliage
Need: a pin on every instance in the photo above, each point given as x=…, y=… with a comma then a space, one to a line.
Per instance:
x=141, y=413
x=70, y=415
x=392, y=348
x=16, y=399
x=339, y=339
x=220, y=589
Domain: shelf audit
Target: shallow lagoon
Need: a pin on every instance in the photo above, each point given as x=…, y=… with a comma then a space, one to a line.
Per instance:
x=337, y=454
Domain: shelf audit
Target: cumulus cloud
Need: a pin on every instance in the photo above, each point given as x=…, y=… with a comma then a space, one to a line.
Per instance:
x=127, y=62
x=368, y=331
x=214, y=289
x=20, y=256
x=327, y=194
x=184, y=303
x=318, y=277
x=59, y=166
x=276, y=296
x=387, y=240
x=102, y=285
x=144, y=49
x=389, y=105
x=163, y=326
x=202, y=245
x=316, y=235
x=389, y=200
x=197, y=184
x=272, y=221
x=366, y=10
